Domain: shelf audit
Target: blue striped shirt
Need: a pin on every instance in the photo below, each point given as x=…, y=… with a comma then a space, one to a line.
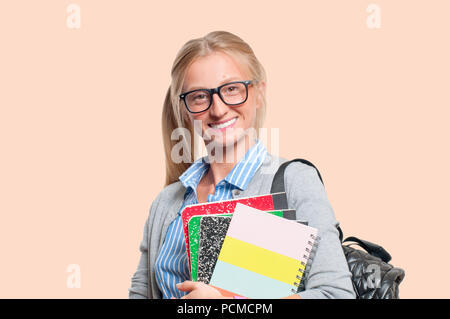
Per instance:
x=172, y=264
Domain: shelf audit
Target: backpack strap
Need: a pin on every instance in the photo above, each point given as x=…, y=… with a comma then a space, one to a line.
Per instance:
x=371, y=248
x=278, y=182
x=278, y=187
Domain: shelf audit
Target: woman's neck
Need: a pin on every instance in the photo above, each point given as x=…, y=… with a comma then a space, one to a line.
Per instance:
x=219, y=169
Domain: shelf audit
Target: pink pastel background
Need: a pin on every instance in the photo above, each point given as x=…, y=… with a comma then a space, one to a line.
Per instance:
x=80, y=132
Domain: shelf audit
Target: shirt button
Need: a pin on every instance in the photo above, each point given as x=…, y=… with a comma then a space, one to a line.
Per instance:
x=236, y=192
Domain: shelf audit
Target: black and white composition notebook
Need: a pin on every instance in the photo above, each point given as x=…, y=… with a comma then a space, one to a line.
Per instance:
x=212, y=233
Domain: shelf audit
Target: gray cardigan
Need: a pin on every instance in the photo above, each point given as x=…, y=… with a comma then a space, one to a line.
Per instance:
x=329, y=275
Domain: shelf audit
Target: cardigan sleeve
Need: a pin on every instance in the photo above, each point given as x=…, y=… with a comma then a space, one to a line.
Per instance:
x=329, y=275
x=139, y=280
x=164, y=207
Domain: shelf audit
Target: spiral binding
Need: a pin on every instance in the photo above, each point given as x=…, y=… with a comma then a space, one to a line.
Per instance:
x=309, y=254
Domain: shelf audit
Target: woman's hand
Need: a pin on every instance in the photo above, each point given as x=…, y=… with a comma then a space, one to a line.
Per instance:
x=199, y=290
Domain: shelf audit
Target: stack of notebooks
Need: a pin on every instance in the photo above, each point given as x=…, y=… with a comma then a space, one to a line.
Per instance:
x=250, y=247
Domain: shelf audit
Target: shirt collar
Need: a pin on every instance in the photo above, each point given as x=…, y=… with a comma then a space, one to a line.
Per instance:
x=239, y=176
x=192, y=176
x=243, y=171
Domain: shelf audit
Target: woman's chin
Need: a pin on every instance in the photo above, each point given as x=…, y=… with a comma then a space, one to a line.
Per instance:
x=227, y=143
x=223, y=142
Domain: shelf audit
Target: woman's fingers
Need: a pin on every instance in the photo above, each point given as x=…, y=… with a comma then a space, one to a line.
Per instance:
x=186, y=285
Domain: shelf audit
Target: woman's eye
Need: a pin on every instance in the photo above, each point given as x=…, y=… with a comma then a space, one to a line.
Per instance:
x=200, y=97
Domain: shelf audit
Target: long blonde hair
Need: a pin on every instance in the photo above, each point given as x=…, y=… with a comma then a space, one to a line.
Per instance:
x=172, y=116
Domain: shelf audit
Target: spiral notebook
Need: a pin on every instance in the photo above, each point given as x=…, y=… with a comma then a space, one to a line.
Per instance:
x=267, y=202
x=262, y=255
x=194, y=238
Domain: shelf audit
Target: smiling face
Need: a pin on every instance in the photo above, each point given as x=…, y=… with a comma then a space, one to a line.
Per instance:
x=222, y=124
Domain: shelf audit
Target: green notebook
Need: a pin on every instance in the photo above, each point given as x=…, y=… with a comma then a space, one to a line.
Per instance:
x=194, y=227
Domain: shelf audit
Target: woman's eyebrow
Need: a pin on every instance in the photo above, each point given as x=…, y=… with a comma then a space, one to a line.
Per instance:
x=230, y=79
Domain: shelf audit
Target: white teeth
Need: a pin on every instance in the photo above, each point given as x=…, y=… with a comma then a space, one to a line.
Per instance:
x=223, y=125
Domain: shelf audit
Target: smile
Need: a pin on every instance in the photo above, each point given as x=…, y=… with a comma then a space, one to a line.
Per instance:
x=223, y=124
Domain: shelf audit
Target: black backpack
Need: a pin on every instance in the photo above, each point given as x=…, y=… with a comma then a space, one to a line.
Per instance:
x=372, y=275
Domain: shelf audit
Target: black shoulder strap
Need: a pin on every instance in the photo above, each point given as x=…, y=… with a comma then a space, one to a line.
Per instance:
x=278, y=186
x=371, y=248
x=278, y=179
x=278, y=182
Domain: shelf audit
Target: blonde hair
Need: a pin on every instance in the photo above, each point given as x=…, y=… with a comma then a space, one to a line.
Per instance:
x=172, y=116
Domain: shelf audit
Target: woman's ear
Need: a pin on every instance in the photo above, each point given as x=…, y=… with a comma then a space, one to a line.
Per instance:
x=185, y=116
x=261, y=93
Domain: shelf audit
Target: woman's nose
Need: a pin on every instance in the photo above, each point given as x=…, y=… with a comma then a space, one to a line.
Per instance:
x=218, y=108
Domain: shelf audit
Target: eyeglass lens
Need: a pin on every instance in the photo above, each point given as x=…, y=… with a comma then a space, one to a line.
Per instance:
x=233, y=93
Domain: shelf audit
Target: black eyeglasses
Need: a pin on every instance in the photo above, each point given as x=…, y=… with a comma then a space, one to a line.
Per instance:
x=232, y=93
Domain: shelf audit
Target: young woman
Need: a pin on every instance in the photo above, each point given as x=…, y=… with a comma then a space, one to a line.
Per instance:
x=218, y=91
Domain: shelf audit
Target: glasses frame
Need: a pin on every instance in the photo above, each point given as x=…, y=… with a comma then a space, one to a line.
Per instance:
x=217, y=90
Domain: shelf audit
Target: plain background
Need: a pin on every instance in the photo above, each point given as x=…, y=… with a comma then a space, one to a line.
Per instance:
x=80, y=132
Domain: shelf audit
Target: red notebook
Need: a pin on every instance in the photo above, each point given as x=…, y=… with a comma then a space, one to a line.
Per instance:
x=270, y=202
